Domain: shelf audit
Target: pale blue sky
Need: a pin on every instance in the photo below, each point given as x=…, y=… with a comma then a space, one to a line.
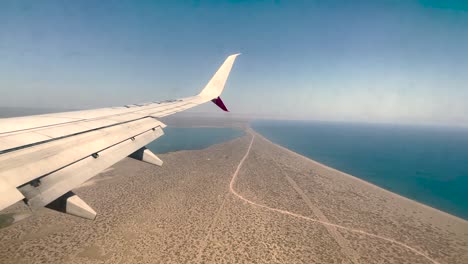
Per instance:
x=373, y=61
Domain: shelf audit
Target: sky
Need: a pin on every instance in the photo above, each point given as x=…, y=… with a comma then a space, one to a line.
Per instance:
x=365, y=61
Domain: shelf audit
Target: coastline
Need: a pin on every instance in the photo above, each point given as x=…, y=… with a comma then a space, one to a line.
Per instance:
x=242, y=200
x=369, y=184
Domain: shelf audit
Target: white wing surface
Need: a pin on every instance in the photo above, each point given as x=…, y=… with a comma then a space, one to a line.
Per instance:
x=43, y=157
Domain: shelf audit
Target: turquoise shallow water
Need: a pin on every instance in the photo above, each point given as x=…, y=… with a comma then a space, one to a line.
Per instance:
x=426, y=164
x=192, y=138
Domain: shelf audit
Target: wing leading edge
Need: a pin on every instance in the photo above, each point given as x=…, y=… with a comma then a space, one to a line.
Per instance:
x=43, y=157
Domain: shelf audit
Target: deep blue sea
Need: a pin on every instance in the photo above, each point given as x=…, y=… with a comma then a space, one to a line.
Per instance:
x=426, y=164
x=192, y=138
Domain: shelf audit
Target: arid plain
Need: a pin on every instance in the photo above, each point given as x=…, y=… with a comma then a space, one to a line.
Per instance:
x=243, y=201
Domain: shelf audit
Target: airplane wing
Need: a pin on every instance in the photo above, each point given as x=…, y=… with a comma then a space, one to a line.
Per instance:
x=43, y=157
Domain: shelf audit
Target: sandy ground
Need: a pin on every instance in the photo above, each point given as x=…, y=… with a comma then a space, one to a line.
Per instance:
x=243, y=201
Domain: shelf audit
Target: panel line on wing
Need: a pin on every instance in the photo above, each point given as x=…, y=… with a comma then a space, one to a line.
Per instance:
x=62, y=137
x=125, y=112
x=87, y=156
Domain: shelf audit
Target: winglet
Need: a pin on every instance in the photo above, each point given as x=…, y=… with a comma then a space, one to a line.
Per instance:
x=215, y=86
x=220, y=103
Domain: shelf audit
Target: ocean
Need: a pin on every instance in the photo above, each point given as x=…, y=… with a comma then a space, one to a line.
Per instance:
x=426, y=164
x=176, y=138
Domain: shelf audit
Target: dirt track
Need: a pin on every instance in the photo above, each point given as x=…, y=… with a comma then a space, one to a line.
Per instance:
x=227, y=205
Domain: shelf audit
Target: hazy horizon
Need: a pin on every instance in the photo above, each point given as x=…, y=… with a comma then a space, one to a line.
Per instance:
x=387, y=62
x=7, y=112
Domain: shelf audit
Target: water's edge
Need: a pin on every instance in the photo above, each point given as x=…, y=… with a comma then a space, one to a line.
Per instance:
x=455, y=217
x=193, y=138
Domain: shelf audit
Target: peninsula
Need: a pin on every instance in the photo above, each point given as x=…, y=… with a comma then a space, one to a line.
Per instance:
x=243, y=201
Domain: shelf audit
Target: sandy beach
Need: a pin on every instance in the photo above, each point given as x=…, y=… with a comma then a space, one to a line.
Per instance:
x=243, y=201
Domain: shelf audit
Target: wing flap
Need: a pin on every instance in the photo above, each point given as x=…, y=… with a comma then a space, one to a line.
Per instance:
x=21, y=166
x=60, y=182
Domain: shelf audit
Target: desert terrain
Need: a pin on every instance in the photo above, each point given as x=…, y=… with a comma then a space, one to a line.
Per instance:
x=243, y=201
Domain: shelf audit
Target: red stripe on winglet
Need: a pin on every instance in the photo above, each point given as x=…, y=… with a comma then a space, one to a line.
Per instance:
x=220, y=103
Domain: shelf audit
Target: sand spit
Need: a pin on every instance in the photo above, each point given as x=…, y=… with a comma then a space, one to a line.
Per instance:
x=243, y=201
